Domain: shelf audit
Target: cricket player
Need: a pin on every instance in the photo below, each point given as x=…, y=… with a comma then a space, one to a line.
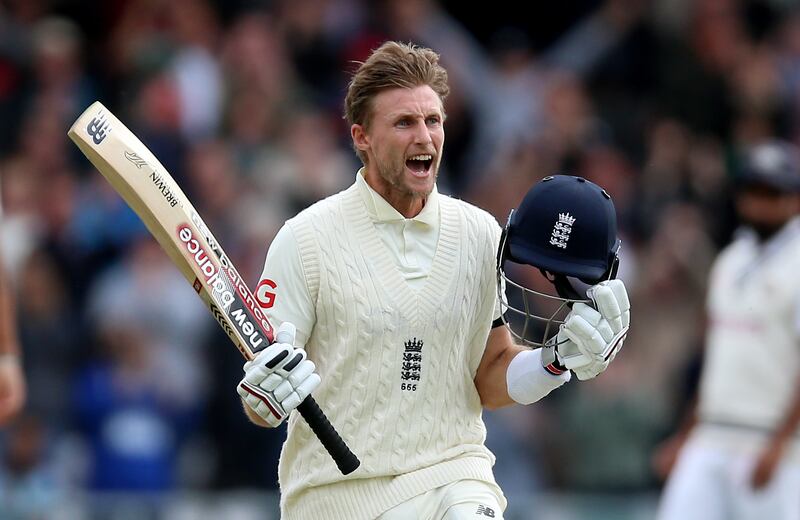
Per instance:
x=741, y=459
x=391, y=289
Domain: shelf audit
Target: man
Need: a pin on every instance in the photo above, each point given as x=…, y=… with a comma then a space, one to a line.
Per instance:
x=742, y=457
x=391, y=289
x=12, y=380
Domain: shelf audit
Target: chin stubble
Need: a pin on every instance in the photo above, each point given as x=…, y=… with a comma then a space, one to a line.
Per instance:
x=394, y=177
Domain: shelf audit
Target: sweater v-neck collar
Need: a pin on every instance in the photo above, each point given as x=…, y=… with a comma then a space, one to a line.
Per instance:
x=410, y=301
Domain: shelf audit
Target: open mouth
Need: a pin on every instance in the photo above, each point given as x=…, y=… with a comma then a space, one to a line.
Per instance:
x=420, y=164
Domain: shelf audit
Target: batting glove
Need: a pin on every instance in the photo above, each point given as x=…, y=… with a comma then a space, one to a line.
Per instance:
x=278, y=379
x=591, y=337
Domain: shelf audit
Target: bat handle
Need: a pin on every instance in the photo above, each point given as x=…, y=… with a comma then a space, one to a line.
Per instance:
x=327, y=434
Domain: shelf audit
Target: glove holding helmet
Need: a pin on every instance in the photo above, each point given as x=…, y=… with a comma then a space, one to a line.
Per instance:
x=566, y=228
x=591, y=336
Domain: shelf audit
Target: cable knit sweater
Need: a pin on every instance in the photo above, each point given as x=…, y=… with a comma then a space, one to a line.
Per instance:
x=397, y=364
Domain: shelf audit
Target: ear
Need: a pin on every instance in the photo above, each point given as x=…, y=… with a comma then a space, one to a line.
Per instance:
x=360, y=137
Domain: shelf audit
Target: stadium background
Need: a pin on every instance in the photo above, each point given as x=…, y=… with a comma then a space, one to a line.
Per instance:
x=132, y=410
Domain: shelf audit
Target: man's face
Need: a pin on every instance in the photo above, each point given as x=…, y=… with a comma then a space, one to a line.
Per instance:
x=403, y=141
x=766, y=210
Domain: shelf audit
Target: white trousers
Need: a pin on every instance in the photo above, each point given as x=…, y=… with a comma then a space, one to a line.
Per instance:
x=461, y=500
x=712, y=482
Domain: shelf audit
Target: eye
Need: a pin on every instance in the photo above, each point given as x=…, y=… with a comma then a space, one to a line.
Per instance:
x=432, y=120
x=403, y=123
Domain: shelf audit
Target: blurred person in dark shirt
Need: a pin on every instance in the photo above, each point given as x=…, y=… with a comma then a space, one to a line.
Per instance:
x=50, y=334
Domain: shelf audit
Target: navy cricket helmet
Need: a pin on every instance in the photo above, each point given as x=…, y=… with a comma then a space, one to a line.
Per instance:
x=566, y=228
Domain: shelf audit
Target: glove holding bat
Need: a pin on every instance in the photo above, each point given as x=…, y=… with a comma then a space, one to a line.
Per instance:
x=278, y=379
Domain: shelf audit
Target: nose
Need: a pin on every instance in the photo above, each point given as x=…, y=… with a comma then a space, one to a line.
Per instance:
x=422, y=134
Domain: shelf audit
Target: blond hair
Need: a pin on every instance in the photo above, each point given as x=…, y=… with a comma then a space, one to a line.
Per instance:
x=392, y=65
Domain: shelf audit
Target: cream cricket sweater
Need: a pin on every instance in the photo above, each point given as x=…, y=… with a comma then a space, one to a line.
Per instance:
x=397, y=364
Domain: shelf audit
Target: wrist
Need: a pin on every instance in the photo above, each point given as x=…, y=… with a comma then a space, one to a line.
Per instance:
x=253, y=416
x=550, y=361
x=528, y=379
x=555, y=368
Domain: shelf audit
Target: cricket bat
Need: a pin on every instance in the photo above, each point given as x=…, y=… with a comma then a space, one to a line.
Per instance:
x=153, y=194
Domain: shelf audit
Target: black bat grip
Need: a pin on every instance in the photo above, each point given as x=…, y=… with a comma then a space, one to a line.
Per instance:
x=327, y=434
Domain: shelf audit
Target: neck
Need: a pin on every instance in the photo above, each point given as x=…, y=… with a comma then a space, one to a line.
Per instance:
x=406, y=203
x=764, y=232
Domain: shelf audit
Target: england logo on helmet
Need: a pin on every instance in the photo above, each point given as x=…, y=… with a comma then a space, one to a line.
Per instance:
x=565, y=228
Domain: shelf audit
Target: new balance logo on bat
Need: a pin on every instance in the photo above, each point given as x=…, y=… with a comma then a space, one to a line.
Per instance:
x=98, y=128
x=219, y=290
x=234, y=277
x=247, y=328
x=222, y=292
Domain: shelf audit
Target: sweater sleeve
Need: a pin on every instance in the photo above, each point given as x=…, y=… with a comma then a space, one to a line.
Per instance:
x=284, y=290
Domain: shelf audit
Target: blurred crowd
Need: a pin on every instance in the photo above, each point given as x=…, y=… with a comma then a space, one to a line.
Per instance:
x=131, y=386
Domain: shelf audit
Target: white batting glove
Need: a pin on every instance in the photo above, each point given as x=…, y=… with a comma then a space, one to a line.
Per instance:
x=278, y=379
x=590, y=337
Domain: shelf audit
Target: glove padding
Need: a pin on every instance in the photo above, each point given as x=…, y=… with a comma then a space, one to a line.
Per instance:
x=590, y=338
x=278, y=379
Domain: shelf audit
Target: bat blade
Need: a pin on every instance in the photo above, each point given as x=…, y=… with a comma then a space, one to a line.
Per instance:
x=146, y=186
